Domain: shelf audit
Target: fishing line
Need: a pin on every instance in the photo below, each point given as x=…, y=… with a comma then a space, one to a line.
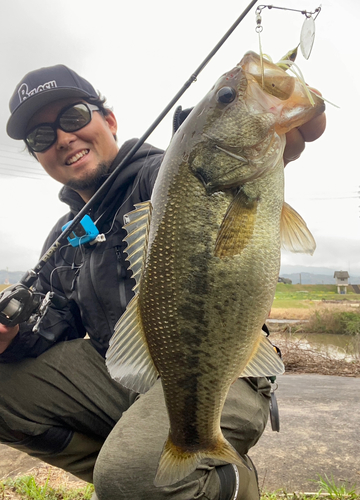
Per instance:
x=127, y=199
x=30, y=277
x=73, y=267
x=57, y=269
x=307, y=34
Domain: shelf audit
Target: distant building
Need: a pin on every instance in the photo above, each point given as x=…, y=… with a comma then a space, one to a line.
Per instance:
x=342, y=280
x=287, y=281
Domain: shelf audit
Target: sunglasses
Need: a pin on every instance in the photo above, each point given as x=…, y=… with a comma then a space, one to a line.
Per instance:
x=70, y=119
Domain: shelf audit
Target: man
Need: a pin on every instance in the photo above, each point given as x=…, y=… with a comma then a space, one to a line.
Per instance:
x=57, y=401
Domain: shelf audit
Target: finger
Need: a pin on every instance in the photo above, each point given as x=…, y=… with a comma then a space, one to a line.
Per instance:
x=313, y=129
x=8, y=330
x=295, y=145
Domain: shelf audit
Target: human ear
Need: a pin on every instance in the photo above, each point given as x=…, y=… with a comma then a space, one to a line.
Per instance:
x=112, y=123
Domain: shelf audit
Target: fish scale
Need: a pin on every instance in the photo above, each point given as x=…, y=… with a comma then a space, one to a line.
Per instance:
x=210, y=254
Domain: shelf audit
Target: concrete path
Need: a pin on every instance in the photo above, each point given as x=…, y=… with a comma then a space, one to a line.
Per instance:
x=319, y=434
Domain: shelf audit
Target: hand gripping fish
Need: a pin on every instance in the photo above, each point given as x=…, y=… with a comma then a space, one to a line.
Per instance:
x=205, y=254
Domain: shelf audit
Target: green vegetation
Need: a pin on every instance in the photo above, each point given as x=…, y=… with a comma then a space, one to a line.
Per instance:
x=27, y=488
x=337, y=322
x=325, y=489
x=301, y=296
x=334, y=491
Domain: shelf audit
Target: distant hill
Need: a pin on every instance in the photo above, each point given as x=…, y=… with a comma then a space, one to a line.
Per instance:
x=309, y=275
x=314, y=275
x=10, y=276
x=307, y=269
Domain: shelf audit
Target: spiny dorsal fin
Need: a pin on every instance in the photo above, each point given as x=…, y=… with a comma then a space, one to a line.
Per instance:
x=137, y=225
x=237, y=227
x=265, y=361
x=294, y=233
x=128, y=358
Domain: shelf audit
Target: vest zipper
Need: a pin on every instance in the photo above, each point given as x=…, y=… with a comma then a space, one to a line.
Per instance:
x=121, y=273
x=98, y=297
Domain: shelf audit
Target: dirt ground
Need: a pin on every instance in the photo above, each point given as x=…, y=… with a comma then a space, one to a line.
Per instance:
x=297, y=361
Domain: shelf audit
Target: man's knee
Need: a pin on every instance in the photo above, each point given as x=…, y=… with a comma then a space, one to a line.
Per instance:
x=117, y=481
x=245, y=413
x=238, y=483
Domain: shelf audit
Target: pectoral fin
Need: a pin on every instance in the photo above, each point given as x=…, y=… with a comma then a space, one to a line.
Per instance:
x=237, y=226
x=128, y=358
x=265, y=362
x=294, y=233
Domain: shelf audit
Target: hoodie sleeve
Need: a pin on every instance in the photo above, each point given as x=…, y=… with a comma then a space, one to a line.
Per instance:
x=149, y=174
x=59, y=323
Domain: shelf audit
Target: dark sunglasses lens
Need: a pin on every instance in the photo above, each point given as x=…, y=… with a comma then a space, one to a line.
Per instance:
x=75, y=118
x=41, y=138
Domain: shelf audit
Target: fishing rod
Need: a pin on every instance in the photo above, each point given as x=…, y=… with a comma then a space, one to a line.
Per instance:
x=18, y=302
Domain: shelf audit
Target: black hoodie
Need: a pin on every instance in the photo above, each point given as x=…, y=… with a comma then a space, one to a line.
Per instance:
x=93, y=278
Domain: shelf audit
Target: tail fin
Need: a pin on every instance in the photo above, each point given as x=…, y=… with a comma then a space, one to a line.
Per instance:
x=176, y=464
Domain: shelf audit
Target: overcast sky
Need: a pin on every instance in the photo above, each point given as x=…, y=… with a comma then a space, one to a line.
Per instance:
x=139, y=55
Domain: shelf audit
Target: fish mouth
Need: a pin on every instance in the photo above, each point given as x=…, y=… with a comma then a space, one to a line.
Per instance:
x=236, y=156
x=250, y=172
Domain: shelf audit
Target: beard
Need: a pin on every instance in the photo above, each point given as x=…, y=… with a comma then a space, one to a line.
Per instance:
x=92, y=181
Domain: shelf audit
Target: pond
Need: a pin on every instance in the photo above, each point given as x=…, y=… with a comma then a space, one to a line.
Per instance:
x=346, y=347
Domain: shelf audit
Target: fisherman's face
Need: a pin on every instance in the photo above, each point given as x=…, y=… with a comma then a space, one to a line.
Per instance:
x=94, y=143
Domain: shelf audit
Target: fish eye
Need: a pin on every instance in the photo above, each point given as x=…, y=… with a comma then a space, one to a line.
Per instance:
x=226, y=95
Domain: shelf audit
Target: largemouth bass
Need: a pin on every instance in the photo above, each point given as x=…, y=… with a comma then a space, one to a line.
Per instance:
x=205, y=253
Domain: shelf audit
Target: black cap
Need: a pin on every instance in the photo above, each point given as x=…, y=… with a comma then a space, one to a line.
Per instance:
x=40, y=87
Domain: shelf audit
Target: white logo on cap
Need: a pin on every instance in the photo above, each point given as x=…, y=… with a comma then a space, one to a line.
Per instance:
x=24, y=92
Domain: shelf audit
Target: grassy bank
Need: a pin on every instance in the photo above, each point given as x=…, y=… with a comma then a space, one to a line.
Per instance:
x=335, y=322
x=295, y=296
x=300, y=301
x=28, y=488
x=324, y=310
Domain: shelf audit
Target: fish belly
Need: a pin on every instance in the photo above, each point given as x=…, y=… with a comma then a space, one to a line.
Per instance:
x=202, y=316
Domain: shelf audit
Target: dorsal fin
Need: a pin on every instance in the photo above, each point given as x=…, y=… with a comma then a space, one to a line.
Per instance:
x=137, y=225
x=294, y=233
x=265, y=362
x=128, y=358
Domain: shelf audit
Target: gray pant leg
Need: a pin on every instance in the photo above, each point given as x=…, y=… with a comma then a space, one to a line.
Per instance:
x=127, y=463
x=78, y=457
x=61, y=406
